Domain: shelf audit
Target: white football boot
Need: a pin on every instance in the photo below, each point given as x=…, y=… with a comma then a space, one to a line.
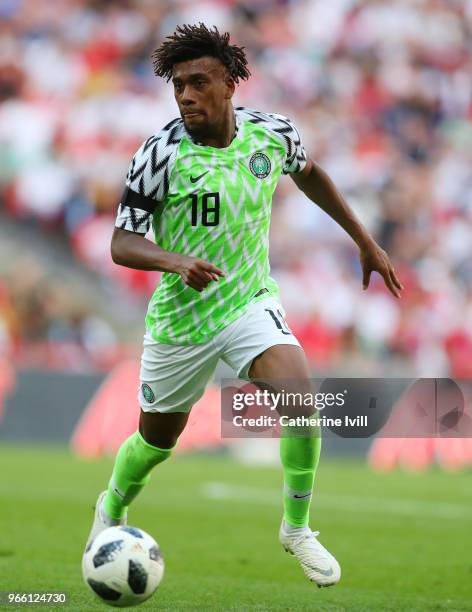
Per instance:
x=318, y=564
x=101, y=521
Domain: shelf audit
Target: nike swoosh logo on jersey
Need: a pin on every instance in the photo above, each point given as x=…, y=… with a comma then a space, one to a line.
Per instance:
x=302, y=496
x=194, y=179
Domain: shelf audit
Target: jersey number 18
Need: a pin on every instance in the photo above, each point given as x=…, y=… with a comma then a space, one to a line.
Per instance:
x=210, y=209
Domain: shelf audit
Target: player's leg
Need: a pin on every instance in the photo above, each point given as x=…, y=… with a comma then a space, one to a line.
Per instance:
x=138, y=455
x=286, y=366
x=162, y=429
x=173, y=378
x=299, y=454
x=262, y=348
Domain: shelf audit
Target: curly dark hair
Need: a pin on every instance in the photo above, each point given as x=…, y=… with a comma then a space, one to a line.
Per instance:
x=194, y=41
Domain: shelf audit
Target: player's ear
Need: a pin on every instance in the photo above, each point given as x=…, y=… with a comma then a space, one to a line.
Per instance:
x=230, y=87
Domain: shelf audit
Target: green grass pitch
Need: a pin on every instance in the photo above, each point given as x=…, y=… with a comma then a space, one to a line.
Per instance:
x=403, y=541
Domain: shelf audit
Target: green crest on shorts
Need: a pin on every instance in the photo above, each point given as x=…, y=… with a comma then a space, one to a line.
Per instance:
x=147, y=393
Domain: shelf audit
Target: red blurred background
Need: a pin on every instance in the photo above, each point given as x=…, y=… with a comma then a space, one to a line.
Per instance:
x=381, y=93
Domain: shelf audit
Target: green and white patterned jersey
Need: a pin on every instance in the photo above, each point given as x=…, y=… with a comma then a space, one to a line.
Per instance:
x=214, y=204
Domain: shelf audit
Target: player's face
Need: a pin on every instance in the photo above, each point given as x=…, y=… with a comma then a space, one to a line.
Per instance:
x=202, y=90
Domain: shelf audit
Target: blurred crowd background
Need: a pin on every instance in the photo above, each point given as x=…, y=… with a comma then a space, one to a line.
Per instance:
x=381, y=93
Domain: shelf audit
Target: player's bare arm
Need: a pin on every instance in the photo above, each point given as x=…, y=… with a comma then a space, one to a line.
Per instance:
x=133, y=250
x=316, y=185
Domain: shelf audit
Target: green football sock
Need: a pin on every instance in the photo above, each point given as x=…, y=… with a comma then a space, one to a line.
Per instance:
x=299, y=457
x=133, y=464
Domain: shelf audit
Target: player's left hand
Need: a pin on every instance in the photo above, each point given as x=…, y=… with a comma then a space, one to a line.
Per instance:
x=373, y=258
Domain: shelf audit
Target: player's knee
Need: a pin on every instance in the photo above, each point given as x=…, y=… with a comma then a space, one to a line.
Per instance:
x=160, y=439
x=161, y=429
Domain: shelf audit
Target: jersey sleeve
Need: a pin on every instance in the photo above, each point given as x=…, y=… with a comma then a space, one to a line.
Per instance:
x=295, y=154
x=147, y=184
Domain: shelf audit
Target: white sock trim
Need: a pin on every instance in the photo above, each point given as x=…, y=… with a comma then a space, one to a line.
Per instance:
x=289, y=529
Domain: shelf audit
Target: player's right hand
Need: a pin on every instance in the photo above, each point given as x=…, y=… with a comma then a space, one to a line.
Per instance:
x=197, y=273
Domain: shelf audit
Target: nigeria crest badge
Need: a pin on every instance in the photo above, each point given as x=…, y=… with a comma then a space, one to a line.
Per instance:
x=259, y=164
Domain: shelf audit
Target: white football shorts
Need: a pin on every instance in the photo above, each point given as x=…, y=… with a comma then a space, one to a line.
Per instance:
x=174, y=377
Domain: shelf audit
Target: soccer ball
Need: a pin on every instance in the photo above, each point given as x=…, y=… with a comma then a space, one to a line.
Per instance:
x=123, y=566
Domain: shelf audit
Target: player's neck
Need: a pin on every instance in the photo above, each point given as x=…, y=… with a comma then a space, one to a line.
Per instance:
x=221, y=135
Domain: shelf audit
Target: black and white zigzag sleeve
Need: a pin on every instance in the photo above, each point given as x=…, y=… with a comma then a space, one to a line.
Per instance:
x=295, y=159
x=147, y=181
x=283, y=128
